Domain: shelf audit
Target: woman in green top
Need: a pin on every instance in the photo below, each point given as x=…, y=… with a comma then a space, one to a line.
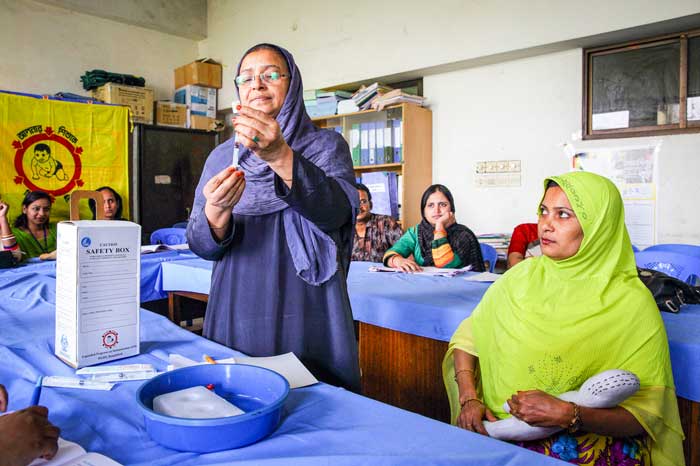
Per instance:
x=32, y=234
x=438, y=240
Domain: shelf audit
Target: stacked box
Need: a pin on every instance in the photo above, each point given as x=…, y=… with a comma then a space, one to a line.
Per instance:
x=138, y=99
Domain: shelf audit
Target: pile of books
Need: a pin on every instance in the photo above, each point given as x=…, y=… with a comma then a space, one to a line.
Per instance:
x=500, y=241
x=397, y=96
x=320, y=103
x=365, y=95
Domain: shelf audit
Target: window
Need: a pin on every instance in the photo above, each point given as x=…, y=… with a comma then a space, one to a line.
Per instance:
x=643, y=88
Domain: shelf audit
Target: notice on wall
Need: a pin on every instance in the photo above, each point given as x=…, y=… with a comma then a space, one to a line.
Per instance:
x=497, y=174
x=633, y=170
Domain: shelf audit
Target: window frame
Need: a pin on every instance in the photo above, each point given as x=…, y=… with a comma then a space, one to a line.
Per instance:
x=682, y=127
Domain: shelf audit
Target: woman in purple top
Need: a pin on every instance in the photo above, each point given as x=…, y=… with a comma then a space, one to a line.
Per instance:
x=280, y=227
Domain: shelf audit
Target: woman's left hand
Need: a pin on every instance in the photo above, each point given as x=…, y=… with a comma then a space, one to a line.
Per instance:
x=261, y=133
x=538, y=408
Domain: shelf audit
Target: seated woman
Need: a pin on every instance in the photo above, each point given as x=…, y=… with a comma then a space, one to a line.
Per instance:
x=438, y=240
x=523, y=242
x=32, y=234
x=558, y=319
x=374, y=233
x=111, y=205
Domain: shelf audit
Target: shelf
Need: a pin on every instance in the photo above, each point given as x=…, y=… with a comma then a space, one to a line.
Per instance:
x=380, y=167
x=361, y=112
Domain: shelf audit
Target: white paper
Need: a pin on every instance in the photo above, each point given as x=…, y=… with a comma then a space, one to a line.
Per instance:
x=287, y=365
x=429, y=271
x=611, y=120
x=487, y=277
x=72, y=454
x=150, y=248
x=693, y=108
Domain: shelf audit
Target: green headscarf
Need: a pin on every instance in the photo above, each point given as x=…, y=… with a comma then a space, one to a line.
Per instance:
x=550, y=325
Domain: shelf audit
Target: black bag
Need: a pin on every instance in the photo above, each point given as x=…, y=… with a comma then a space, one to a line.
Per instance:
x=669, y=293
x=7, y=260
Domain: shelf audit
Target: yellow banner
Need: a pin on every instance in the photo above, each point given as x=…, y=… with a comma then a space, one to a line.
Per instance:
x=57, y=147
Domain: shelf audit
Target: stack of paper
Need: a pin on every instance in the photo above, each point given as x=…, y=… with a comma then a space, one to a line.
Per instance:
x=364, y=96
x=397, y=96
x=320, y=103
x=429, y=271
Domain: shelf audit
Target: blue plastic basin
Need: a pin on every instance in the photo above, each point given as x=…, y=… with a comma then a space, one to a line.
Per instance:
x=259, y=392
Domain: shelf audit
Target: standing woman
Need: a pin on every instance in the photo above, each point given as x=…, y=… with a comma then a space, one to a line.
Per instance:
x=32, y=234
x=438, y=240
x=280, y=227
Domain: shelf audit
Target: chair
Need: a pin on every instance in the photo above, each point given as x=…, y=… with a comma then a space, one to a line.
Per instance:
x=169, y=236
x=686, y=249
x=680, y=266
x=490, y=255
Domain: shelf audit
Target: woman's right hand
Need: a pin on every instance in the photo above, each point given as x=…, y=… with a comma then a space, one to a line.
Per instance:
x=404, y=264
x=4, y=209
x=222, y=192
x=472, y=415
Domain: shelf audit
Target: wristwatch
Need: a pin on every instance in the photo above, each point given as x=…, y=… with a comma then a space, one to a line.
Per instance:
x=576, y=421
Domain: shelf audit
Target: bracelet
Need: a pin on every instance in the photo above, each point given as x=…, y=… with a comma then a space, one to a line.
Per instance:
x=576, y=421
x=462, y=370
x=9, y=247
x=218, y=228
x=435, y=232
x=462, y=404
x=10, y=236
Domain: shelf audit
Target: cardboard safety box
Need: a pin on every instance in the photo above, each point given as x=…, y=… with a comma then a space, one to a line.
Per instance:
x=98, y=268
x=204, y=72
x=199, y=100
x=139, y=99
x=205, y=123
x=171, y=114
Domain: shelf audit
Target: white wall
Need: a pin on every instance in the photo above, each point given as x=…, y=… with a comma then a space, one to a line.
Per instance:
x=524, y=109
x=45, y=49
x=340, y=42
x=527, y=110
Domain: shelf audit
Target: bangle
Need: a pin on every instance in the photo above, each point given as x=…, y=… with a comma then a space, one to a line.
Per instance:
x=7, y=247
x=576, y=421
x=10, y=236
x=218, y=228
x=462, y=370
x=462, y=404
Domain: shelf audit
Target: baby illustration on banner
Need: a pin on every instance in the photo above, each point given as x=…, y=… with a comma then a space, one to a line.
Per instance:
x=44, y=164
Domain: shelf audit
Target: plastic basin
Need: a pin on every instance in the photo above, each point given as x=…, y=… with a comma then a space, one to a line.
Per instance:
x=259, y=392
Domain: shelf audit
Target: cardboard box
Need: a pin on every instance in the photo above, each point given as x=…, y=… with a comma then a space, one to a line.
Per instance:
x=205, y=123
x=98, y=269
x=204, y=72
x=199, y=100
x=139, y=99
x=171, y=114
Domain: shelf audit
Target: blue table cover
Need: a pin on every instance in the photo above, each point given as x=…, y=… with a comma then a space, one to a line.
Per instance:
x=433, y=307
x=321, y=425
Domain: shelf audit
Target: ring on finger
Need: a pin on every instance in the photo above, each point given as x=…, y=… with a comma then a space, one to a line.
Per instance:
x=256, y=139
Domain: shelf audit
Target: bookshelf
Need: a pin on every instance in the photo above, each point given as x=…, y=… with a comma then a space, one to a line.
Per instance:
x=416, y=166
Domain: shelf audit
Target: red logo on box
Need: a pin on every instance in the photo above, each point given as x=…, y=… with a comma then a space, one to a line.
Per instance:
x=110, y=339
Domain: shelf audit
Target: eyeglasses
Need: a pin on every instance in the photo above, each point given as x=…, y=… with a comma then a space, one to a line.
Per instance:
x=268, y=77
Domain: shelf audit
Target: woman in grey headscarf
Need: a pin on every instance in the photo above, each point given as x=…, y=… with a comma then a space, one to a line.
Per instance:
x=280, y=227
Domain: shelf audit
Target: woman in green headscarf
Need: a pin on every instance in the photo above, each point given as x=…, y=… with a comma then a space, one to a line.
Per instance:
x=554, y=321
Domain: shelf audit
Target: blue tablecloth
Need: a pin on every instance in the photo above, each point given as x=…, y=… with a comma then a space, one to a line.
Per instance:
x=321, y=425
x=433, y=307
